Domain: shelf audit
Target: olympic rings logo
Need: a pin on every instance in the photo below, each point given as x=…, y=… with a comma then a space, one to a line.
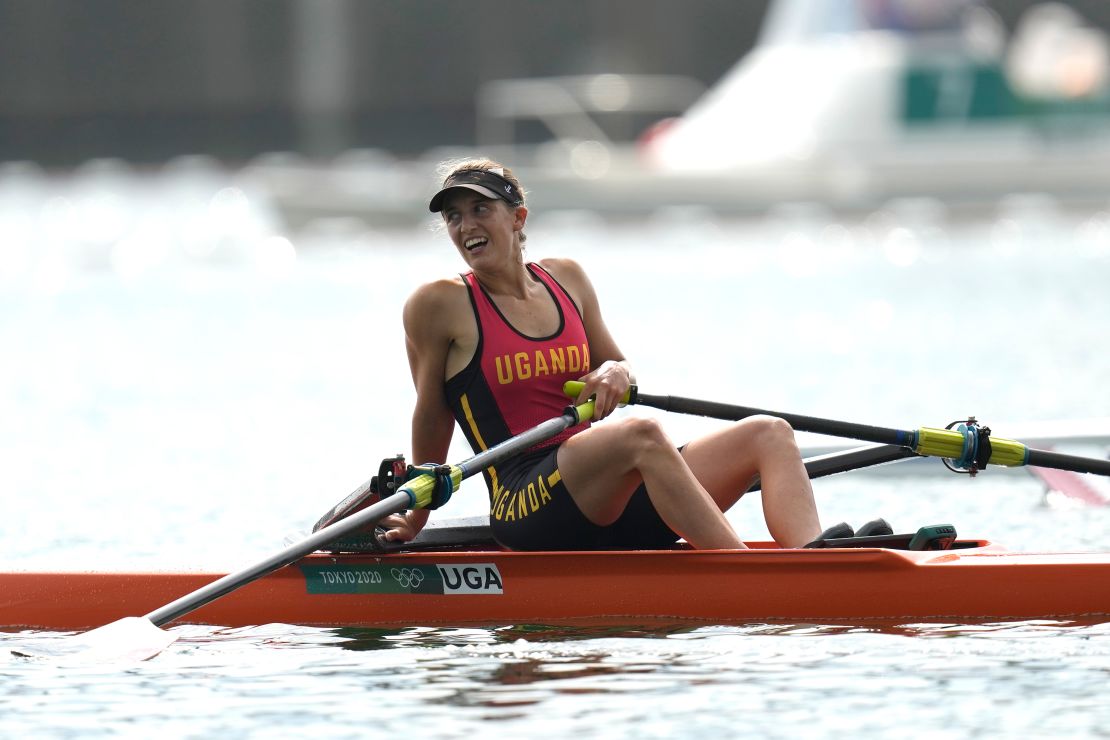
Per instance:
x=407, y=577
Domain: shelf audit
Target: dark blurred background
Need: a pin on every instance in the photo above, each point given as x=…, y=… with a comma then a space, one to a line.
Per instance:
x=149, y=80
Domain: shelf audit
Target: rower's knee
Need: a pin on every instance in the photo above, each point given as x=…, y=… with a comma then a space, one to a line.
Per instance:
x=645, y=436
x=772, y=432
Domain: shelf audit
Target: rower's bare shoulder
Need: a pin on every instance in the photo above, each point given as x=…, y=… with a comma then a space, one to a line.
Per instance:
x=566, y=271
x=571, y=275
x=437, y=304
x=438, y=295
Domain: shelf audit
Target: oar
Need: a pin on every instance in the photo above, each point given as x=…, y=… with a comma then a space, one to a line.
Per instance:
x=967, y=446
x=843, y=461
x=474, y=531
x=139, y=638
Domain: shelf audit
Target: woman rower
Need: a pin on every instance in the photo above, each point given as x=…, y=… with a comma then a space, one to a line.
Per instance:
x=491, y=349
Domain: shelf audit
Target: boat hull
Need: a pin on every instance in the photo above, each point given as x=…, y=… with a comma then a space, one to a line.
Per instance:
x=491, y=587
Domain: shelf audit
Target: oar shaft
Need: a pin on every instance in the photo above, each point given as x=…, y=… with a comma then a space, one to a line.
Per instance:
x=863, y=457
x=366, y=517
x=962, y=445
x=417, y=493
x=833, y=463
x=1074, y=463
x=712, y=409
x=946, y=443
x=543, y=431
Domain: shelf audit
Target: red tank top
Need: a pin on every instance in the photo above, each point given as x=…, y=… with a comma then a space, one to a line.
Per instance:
x=515, y=381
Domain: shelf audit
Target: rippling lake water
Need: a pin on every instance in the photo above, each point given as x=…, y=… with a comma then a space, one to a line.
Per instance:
x=184, y=388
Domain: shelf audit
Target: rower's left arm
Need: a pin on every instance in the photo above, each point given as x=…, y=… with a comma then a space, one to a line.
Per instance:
x=611, y=376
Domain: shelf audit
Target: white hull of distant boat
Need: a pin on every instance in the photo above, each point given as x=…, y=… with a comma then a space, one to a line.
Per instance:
x=832, y=106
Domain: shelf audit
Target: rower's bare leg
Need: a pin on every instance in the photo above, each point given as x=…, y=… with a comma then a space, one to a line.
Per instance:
x=603, y=465
x=726, y=461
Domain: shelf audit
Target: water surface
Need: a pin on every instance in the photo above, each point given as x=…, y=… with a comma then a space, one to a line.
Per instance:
x=188, y=400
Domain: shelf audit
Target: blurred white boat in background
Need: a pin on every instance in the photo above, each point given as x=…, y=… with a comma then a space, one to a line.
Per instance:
x=843, y=103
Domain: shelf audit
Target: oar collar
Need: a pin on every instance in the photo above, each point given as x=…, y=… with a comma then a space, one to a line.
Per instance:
x=976, y=450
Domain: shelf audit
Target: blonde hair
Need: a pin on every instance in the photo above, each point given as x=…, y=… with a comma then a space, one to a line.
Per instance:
x=446, y=169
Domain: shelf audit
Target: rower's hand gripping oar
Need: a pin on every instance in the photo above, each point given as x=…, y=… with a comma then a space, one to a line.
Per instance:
x=968, y=446
x=139, y=638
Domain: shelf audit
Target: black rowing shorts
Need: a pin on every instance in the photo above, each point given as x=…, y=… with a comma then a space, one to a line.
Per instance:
x=531, y=509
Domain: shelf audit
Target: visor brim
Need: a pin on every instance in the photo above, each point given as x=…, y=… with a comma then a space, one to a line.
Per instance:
x=436, y=204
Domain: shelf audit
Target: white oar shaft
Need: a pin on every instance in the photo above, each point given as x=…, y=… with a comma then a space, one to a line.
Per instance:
x=365, y=518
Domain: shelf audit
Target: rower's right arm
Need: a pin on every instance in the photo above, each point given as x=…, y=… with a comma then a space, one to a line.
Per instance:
x=429, y=339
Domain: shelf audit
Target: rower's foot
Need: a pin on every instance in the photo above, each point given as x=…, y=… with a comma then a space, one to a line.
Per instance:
x=835, y=532
x=875, y=528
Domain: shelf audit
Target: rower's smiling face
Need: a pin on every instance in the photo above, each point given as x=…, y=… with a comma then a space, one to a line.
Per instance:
x=480, y=227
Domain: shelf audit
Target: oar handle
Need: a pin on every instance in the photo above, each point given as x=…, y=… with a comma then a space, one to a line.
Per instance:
x=573, y=389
